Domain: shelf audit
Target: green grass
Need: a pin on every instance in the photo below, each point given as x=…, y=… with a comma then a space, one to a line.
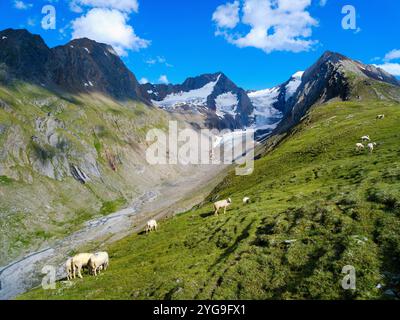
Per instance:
x=316, y=206
x=4, y=180
x=112, y=206
x=87, y=128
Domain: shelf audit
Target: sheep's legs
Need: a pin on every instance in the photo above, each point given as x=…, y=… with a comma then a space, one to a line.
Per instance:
x=79, y=272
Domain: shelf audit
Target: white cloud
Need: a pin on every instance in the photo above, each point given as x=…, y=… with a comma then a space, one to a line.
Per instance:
x=227, y=15
x=158, y=59
x=20, y=5
x=144, y=81
x=392, y=68
x=121, y=5
x=392, y=55
x=322, y=3
x=275, y=25
x=31, y=22
x=108, y=26
x=163, y=79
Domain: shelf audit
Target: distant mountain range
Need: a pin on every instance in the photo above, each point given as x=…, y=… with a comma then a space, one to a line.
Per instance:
x=84, y=65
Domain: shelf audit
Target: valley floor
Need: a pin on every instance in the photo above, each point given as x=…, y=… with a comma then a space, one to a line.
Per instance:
x=316, y=206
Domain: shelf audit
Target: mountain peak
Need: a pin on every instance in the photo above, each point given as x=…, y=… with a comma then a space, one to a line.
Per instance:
x=298, y=75
x=81, y=65
x=24, y=55
x=21, y=37
x=332, y=57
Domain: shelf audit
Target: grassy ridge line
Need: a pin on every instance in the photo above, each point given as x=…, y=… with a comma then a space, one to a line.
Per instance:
x=317, y=206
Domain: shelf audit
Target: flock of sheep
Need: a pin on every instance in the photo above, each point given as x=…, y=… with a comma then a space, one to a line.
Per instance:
x=94, y=262
x=371, y=145
x=97, y=262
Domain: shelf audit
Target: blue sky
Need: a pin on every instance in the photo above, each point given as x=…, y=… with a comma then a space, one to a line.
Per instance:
x=257, y=43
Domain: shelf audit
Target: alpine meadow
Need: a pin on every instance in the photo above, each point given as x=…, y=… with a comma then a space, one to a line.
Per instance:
x=277, y=184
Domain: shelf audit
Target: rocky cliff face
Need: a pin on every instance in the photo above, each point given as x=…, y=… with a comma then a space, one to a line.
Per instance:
x=82, y=65
x=24, y=56
x=334, y=76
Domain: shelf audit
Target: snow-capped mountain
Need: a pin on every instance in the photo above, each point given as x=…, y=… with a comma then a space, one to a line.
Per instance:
x=223, y=103
x=215, y=96
x=270, y=104
x=335, y=76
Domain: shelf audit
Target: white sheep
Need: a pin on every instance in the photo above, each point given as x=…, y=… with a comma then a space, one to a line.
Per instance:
x=68, y=268
x=80, y=261
x=246, y=200
x=371, y=146
x=380, y=116
x=365, y=138
x=98, y=261
x=359, y=147
x=222, y=204
x=151, y=225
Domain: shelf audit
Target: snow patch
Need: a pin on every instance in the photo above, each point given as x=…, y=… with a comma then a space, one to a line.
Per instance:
x=197, y=97
x=265, y=115
x=293, y=85
x=87, y=50
x=112, y=51
x=3, y=38
x=226, y=103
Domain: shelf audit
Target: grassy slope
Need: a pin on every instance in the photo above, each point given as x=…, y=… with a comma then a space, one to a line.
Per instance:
x=34, y=208
x=342, y=208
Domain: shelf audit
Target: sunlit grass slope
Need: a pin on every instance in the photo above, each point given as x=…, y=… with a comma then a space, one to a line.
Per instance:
x=316, y=206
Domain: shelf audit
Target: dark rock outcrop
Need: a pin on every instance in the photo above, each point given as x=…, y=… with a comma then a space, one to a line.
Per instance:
x=327, y=79
x=82, y=65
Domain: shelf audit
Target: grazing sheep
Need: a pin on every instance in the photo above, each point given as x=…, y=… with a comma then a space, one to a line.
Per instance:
x=80, y=261
x=359, y=147
x=222, y=204
x=371, y=146
x=151, y=225
x=246, y=200
x=365, y=138
x=99, y=261
x=68, y=268
x=380, y=116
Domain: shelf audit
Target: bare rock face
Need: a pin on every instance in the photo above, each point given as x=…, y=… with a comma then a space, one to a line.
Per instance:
x=24, y=55
x=327, y=79
x=85, y=65
x=82, y=65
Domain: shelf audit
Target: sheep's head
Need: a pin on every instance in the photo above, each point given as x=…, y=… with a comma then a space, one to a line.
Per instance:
x=229, y=200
